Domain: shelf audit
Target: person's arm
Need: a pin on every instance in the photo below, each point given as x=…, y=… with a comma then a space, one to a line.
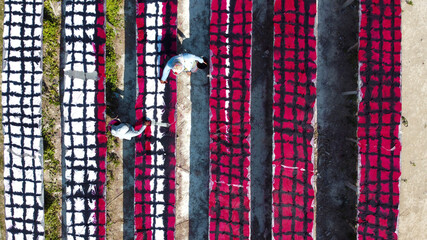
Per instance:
x=165, y=74
x=191, y=58
x=133, y=133
x=167, y=69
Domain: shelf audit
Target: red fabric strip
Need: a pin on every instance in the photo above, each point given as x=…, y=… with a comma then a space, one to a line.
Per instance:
x=230, y=45
x=293, y=101
x=155, y=150
x=379, y=118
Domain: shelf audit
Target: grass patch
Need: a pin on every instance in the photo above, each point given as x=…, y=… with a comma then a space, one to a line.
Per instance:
x=53, y=165
x=51, y=100
x=51, y=34
x=51, y=42
x=52, y=199
x=114, y=20
x=111, y=73
x=113, y=12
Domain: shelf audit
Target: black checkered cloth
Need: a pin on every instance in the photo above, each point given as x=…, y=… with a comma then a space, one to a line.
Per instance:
x=21, y=101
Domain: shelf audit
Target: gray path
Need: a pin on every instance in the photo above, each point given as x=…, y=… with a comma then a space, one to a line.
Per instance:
x=198, y=44
x=261, y=119
x=127, y=114
x=337, y=155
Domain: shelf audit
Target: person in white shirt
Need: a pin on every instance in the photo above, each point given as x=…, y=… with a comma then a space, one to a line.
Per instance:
x=183, y=62
x=125, y=130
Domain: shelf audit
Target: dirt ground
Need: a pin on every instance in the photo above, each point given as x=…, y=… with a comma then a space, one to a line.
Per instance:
x=115, y=185
x=413, y=204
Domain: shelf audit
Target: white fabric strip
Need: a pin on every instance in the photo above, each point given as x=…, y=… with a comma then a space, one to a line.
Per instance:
x=154, y=99
x=79, y=120
x=21, y=101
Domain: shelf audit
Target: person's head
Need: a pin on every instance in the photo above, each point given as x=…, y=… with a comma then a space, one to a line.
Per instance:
x=177, y=68
x=113, y=122
x=204, y=64
x=201, y=65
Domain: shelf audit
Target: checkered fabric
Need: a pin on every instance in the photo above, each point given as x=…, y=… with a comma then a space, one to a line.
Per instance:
x=230, y=44
x=379, y=119
x=293, y=100
x=84, y=139
x=155, y=150
x=21, y=101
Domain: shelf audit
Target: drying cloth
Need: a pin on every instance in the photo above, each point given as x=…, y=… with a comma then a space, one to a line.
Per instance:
x=293, y=100
x=155, y=151
x=21, y=102
x=84, y=128
x=230, y=44
x=379, y=119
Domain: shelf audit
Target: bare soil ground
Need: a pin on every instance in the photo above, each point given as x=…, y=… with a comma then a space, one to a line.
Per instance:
x=115, y=170
x=413, y=188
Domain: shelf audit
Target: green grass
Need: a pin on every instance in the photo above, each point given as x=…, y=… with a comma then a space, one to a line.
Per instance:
x=52, y=198
x=53, y=165
x=111, y=72
x=113, y=15
x=115, y=20
x=51, y=99
x=111, y=65
x=409, y=2
x=51, y=34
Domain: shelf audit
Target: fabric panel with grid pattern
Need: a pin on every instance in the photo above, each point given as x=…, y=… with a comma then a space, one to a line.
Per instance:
x=155, y=150
x=21, y=102
x=379, y=118
x=83, y=114
x=230, y=45
x=293, y=101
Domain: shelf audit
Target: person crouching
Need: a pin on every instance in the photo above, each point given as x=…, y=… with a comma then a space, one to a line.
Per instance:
x=125, y=130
